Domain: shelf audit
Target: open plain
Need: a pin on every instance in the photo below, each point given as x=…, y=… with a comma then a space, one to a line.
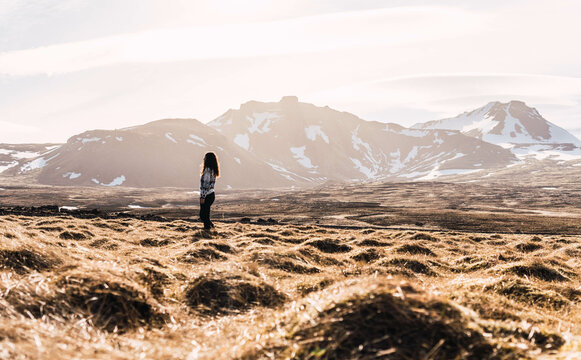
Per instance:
x=380, y=270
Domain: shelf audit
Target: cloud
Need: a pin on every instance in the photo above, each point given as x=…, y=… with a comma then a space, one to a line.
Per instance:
x=320, y=33
x=13, y=128
x=449, y=94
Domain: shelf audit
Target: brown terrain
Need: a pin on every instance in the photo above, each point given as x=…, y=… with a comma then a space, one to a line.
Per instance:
x=378, y=270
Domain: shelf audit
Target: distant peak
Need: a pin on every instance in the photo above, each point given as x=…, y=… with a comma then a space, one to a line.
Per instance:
x=511, y=103
x=289, y=99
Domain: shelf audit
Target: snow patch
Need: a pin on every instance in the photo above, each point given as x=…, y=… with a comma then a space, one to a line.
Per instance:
x=543, y=152
x=170, y=138
x=260, y=122
x=363, y=169
x=242, y=140
x=360, y=145
x=119, y=138
x=283, y=172
x=237, y=160
x=414, y=133
x=435, y=173
x=196, y=140
x=116, y=182
x=37, y=163
x=71, y=175
x=299, y=154
x=6, y=167
x=34, y=164
x=88, y=140
x=25, y=155
x=315, y=130
x=220, y=121
x=133, y=206
x=68, y=208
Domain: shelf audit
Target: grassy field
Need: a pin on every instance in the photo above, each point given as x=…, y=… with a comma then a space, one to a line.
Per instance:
x=117, y=288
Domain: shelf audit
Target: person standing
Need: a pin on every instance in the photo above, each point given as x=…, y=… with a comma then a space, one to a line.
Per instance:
x=210, y=171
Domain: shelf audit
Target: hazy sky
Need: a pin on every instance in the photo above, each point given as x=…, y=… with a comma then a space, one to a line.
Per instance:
x=67, y=66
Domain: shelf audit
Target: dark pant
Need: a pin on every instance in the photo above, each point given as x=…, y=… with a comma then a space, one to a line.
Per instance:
x=205, y=211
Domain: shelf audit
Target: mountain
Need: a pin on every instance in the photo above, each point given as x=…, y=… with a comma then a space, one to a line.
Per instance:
x=161, y=153
x=303, y=141
x=263, y=145
x=515, y=126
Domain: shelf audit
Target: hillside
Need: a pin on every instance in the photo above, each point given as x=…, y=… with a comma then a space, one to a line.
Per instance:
x=161, y=153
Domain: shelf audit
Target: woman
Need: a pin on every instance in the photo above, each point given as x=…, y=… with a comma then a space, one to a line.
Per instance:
x=210, y=171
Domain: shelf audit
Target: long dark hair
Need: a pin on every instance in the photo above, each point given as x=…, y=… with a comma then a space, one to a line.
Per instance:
x=211, y=161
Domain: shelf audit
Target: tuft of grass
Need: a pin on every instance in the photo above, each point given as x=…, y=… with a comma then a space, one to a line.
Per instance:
x=424, y=236
x=528, y=247
x=537, y=270
x=529, y=294
x=72, y=235
x=154, y=242
x=383, y=323
x=283, y=262
x=367, y=256
x=373, y=243
x=329, y=246
x=112, y=305
x=222, y=293
x=416, y=266
x=200, y=254
x=414, y=249
x=23, y=261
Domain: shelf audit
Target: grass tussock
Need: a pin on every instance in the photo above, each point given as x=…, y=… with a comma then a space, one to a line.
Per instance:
x=329, y=246
x=367, y=256
x=22, y=261
x=537, y=270
x=387, y=322
x=527, y=293
x=72, y=235
x=219, y=293
x=205, y=253
x=414, y=249
x=112, y=304
x=528, y=247
x=373, y=243
x=416, y=266
x=424, y=236
x=154, y=242
x=474, y=263
x=283, y=262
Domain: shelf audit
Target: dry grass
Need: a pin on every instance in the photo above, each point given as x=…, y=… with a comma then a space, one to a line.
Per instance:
x=117, y=289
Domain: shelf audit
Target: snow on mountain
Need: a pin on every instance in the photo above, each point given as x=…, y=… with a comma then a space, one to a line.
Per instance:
x=514, y=126
x=304, y=142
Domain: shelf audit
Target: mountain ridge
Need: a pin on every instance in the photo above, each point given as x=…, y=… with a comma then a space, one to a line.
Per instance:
x=291, y=143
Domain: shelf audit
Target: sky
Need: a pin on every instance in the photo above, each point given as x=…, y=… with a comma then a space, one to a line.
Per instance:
x=68, y=66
